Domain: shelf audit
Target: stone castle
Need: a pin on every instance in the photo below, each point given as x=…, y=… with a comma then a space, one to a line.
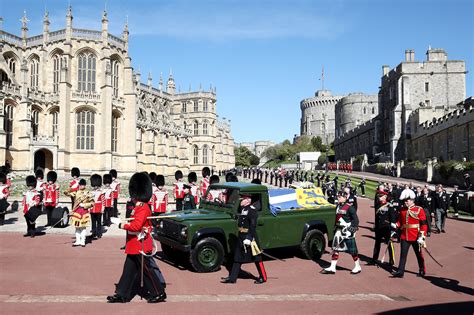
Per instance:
x=72, y=98
x=394, y=124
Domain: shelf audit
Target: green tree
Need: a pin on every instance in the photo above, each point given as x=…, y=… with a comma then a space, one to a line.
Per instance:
x=242, y=156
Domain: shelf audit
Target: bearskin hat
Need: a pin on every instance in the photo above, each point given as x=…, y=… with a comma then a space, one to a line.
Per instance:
x=160, y=180
x=214, y=179
x=3, y=178
x=30, y=181
x=140, y=187
x=206, y=171
x=113, y=173
x=96, y=180
x=75, y=172
x=192, y=177
x=228, y=177
x=234, y=178
x=152, y=176
x=39, y=173
x=82, y=182
x=256, y=181
x=52, y=176
x=178, y=175
x=107, y=179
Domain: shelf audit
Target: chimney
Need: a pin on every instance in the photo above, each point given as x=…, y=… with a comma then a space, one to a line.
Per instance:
x=412, y=55
x=407, y=55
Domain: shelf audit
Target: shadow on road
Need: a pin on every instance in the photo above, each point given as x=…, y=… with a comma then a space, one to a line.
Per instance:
x=369, y=236
x=10, y=220
x=446, y=308
x=469, y=247
x=450, y=284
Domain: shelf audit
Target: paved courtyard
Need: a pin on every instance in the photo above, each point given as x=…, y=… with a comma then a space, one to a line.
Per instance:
x=47, y=275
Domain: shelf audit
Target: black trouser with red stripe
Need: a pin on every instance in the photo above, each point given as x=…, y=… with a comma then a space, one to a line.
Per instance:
x=404, y=246
x=234, y=273
x=132, y=274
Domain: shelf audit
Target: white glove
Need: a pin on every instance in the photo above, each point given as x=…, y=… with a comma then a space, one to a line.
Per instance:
x=393, y=225
x=421, y=241
x=246, y=242
x=115, y=220
x=81, y=205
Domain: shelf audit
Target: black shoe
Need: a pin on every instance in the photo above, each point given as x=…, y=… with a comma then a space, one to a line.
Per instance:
x=116, y=299
x=122, y=248
x=228, y=281
x=260, y=280
x=397, y=274
x=32, y=234
x=225, y=278
x=26, y=235
x=421, y=273
x=443, y=231
x=428, y=234
x=158, y=299
x=327, y=272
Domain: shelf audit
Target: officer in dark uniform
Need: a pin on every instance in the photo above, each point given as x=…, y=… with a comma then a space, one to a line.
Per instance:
x=455, y=200
x=384, y=217
x=188, y=200
x=266, y=176
x=362, y=187
x=426, y=202
x=243, y=252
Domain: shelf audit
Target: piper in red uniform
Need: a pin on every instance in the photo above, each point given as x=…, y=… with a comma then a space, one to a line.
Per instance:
x=51, y=195
x=31, y=205
x=109, y=200
x=413, y=226
x=194, y=190
x=206, y=172
x=4, y=193
x=116, y=188
x=178, y=190
x=99, y=205
x=139, y=243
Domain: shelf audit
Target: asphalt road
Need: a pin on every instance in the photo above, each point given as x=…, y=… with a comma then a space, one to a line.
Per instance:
x=45, y=275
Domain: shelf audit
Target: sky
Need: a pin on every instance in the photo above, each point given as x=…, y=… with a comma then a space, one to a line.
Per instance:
x=264, y=57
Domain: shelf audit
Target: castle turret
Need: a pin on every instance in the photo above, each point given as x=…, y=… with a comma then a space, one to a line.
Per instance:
x=170, y=87
x=69, y=24
x=45, y=27
x=24, y=28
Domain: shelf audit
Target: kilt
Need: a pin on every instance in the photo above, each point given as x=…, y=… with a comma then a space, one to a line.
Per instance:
x=80, y=218
x=351, y=246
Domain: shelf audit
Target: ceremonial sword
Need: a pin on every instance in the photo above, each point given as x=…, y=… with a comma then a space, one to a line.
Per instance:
x=429, y=254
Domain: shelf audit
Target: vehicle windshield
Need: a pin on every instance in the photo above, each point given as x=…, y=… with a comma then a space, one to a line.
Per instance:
x=221, y=197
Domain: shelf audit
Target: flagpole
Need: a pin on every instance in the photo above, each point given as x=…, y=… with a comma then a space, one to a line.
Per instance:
x=322, y=77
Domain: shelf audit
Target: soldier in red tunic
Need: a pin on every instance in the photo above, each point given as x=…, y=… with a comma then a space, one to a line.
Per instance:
x=161, y=195
x=74, y=183
x=413, y=226
x=51, y=195
x=31, y=205
x=109, y=199
x=206, y=173
x=4, y=193
x=139, y=243
x=194, y=189
x=116, y=188
x=178, y=190
x=99, y=206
